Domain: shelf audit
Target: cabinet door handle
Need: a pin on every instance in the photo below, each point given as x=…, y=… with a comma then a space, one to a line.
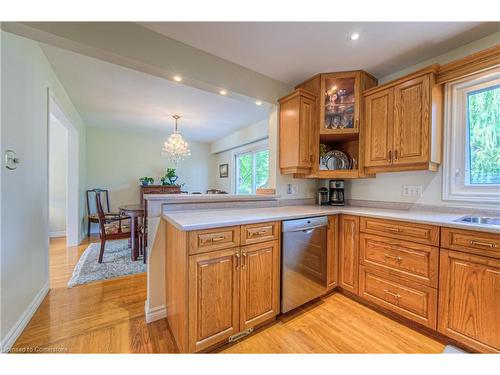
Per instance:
x=389, y=155
x=237, y=255
x=396, y=258
x=244, y=261
x=396, y=295
x=486, y=244
x=395, y=154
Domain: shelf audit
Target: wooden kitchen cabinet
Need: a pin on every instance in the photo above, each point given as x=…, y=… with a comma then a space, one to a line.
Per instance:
x=403, y=124
x=349, y=252
x=469, y=300
x=379, y=114
x=332, y=257
x=217, y=288
x=259, y=283
x=297, y=123
x=213, y=297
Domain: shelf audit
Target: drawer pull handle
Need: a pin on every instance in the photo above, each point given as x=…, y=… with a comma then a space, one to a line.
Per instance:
x=392, y=229
x=486, y=244
x=259, y=232
x=396, y=295
x=217, y=239
x=396, y=258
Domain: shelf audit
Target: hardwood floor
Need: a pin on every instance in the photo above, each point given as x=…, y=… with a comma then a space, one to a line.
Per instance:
x=101, y=317
x=108, y=317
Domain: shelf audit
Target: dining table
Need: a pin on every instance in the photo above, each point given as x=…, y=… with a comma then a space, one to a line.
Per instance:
x=134, y=211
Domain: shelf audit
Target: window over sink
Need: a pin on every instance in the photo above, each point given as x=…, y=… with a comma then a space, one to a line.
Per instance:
x=472, y=139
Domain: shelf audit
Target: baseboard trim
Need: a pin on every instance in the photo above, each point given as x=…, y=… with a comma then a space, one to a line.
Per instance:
x=156, y=313
x=24, y=319
x=61, y=233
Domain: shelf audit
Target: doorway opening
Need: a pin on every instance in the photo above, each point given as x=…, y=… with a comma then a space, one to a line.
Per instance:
x=64, y=200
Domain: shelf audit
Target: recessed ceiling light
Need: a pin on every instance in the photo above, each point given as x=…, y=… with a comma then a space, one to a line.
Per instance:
x=258, y=102
x=355, y=36
x=177, y=78
x=223, y=92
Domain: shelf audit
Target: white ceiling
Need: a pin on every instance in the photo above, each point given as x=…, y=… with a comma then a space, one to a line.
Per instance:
x=292, y=52
x=111, y=96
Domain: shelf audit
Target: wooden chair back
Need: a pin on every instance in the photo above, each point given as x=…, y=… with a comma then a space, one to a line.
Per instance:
x=95, y=191
x=100, y=211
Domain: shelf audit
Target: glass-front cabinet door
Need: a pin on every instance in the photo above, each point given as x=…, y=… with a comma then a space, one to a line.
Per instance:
x=339, y=112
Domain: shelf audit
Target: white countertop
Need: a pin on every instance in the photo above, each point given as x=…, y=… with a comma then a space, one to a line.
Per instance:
x=194, y=220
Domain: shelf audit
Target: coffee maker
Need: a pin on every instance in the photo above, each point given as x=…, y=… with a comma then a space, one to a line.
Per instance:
x=336, y=192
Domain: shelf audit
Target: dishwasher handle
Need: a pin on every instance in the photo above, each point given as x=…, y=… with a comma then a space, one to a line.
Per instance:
x=305, y=225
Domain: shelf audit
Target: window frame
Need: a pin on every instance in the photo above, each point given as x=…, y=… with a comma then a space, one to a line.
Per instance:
x=456, y=166
x=251, y=150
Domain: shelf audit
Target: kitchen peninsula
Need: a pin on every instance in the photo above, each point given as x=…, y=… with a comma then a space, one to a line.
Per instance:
x=222, y=270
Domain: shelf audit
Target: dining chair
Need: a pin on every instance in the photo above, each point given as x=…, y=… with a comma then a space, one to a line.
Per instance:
x=92, y=216
x=115, y=228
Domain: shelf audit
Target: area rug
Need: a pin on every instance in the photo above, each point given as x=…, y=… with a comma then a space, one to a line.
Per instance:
x=116, y=262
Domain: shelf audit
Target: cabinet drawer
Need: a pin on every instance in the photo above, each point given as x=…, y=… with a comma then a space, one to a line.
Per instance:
x=261, y=232
x=402, y=230
x=202, y=241
x=471, y=241
x=408, y=260
x=409, y=299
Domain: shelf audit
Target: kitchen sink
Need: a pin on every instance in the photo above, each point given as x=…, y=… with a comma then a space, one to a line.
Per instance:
x=479, y=220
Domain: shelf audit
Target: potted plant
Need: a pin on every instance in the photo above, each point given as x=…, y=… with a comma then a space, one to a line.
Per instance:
x=145, y=181
x=169, y=178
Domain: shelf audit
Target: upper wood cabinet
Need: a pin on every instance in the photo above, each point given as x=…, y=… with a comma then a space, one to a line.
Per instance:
x=469, y=307
x=403, y=124
x=379, y=114
x=337, y=108
x=297, y=125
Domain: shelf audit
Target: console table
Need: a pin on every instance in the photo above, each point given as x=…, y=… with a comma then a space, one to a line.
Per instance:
x=159, y=189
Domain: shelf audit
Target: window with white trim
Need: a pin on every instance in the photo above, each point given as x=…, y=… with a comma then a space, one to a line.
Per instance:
x=471, y=171
x=252, y=171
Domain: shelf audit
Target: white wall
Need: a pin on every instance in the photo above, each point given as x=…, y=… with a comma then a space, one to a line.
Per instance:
x=117, y=159
x=249, y=134
x=58, y=175
x=388, y=186
x=26, y=76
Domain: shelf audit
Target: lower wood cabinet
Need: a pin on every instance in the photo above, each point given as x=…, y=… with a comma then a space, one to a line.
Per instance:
x=214, y=289
x=348, y=252
x=406, y=298
x=469, y=300
x=259, y=283
x=231, y=291
x=332, y=257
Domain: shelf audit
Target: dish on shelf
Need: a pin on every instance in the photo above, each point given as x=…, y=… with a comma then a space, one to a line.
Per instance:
x=336, y=159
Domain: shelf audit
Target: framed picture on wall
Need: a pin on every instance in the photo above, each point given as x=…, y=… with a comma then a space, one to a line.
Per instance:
x=223, y=170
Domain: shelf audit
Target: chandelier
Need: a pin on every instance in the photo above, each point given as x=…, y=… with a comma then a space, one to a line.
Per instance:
x=176, y=148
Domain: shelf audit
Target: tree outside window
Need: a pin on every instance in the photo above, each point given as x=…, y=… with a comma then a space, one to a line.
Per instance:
x=252, y=171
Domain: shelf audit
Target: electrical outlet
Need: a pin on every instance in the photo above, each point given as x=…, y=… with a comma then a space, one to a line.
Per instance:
x=411, y=191
x=292, y=188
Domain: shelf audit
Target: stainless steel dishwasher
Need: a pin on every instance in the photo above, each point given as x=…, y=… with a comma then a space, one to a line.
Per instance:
x=303, y=262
